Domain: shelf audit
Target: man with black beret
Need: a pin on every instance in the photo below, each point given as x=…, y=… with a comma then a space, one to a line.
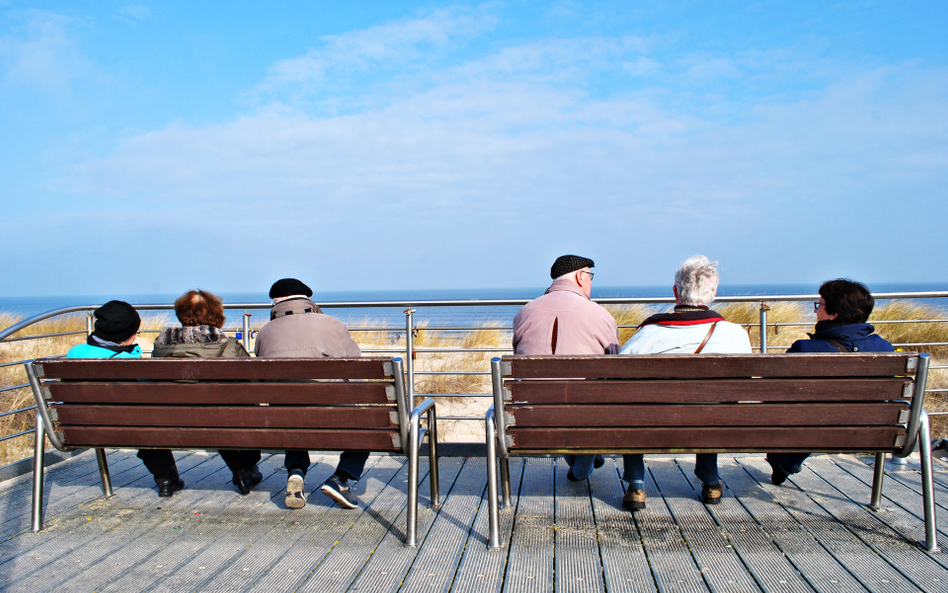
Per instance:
x=116, y=329
x=565, y=321
x=299, y=329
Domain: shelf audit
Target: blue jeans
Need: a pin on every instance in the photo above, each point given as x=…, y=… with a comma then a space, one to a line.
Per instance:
x=706, y=468
x=790, y=463
x=350, y=462
x=582, y=465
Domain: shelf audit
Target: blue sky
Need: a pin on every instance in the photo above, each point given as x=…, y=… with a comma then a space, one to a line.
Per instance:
x=157, y=147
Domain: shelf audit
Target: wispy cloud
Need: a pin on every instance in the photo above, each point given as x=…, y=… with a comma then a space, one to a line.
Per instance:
x=44, y=56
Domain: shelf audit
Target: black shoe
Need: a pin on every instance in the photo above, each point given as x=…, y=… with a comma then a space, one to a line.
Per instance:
x=245, y=479
x=167, y=488
x=599, y=461
x=570, y=476
x=778, y=476
x=339, y=491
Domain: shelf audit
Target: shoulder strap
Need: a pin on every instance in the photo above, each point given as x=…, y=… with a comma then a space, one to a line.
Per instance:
x=836, y=344
x=706, y=338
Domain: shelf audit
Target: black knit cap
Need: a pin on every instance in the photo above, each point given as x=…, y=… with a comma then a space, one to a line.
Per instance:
x=565, y=264
x=288, y=287
x=116, y=321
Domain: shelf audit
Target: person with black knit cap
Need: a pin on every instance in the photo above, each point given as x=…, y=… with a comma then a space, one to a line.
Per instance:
x=116, y=329
x=299, y=329
x=566, y=321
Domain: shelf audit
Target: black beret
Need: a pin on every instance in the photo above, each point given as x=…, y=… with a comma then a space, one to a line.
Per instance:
x=565, y=264
x=288, y=287
x=116, y=321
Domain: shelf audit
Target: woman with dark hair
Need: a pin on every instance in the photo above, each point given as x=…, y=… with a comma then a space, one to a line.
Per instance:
x=201, y=314
x=841, y=315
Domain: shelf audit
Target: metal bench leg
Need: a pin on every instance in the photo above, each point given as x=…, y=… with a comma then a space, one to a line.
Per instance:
x=505, y=482
x=104, y=472
x=433, y=479
x=493, y=538
x=411, y=539
x=39, y=453
x=928, y=488
x=878, y=474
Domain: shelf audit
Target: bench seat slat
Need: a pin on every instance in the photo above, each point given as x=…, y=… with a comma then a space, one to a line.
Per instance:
x=310, y=393
x=228, y=416
x=713, y=390
x=215, y=369
x=230, y=438
x=738, y=415
x=705, y=366
x=830, y=438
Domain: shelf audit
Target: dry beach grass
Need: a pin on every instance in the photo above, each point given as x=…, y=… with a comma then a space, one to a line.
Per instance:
x=444, y=354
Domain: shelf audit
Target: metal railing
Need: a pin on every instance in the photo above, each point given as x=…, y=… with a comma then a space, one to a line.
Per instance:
x=402, y=338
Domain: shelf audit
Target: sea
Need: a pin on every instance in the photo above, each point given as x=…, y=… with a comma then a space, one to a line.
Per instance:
x=335, y=303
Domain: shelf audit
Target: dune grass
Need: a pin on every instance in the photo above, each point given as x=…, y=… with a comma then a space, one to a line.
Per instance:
x=489, y=341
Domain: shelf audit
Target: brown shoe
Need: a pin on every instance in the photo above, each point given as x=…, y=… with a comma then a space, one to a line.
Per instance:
x=711, y=494
x=634, y=500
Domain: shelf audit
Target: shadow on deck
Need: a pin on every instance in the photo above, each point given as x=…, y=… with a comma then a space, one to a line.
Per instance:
x=814, y=533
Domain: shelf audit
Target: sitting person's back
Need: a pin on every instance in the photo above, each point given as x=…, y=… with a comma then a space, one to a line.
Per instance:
x=841, y=315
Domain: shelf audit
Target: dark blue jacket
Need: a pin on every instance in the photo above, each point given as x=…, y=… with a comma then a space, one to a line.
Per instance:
x=857, y=337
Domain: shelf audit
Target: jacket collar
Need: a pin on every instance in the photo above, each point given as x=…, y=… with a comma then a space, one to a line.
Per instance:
x=566, y=286
x=684, y=315
x=843, y=333
x=297, y=306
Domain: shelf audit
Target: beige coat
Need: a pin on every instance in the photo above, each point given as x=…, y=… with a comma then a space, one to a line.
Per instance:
x=299, y=330
x=564, y=321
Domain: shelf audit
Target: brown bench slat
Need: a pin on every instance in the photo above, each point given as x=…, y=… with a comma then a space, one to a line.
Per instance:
x=215, y=369
x=706, y=366
x=798, y=438
x=229, y=438
x=311, y=393
x=739, y=415
x=716, y=390
x=227, y=417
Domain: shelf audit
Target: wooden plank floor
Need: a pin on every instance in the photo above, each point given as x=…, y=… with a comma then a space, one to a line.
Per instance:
x=812, y=534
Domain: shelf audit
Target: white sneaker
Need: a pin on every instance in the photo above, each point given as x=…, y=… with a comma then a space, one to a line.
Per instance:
x=294, y=492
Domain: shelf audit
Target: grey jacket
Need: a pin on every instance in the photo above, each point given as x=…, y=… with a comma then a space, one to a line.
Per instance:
x=298, y=329
x=203, y=341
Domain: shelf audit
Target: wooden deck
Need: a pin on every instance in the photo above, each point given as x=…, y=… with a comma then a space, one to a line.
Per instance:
x=812, y=534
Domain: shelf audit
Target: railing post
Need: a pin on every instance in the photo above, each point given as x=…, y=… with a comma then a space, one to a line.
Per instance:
x=764, y=307
x=410, y=354
x=246, y=336
x=90, y=323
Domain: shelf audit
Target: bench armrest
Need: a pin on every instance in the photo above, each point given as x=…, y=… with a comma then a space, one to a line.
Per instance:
x=918, y=406
x=42, y=408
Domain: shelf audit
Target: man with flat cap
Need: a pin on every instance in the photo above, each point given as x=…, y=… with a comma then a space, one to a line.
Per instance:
x=299, y=329
x=116, y=329
x=565, y=321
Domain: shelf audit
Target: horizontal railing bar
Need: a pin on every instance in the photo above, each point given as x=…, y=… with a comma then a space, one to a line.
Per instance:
x=45, y=336
x=19, y=434
x=14, y=387
x=417, y=394
x=424, y=350
x=11, y=412
x=461, y=418
x=452, y=372
x=14, y=363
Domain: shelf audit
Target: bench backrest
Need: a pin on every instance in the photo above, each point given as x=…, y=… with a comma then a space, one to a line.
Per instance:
x=252, y=403
x=724, y=402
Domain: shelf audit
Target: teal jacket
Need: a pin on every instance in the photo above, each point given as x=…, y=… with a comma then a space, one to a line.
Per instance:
x=89, y=351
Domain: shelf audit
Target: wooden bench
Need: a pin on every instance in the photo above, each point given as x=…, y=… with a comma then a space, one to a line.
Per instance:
x=556, y=405
x=327, y=404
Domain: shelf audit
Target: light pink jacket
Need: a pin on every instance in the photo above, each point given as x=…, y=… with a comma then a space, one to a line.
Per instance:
x=564, y=321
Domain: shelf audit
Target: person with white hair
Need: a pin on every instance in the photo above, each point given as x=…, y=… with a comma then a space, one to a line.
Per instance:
x=692, y=328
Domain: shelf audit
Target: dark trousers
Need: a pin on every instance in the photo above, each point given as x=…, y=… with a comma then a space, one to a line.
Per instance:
x=238, y=459
x=350, y=462
x=160, y=462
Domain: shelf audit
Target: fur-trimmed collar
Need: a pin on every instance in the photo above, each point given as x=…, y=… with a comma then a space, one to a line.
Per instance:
x=202, y=334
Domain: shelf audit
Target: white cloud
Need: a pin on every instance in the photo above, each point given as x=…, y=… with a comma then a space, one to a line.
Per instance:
x=46, y=58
